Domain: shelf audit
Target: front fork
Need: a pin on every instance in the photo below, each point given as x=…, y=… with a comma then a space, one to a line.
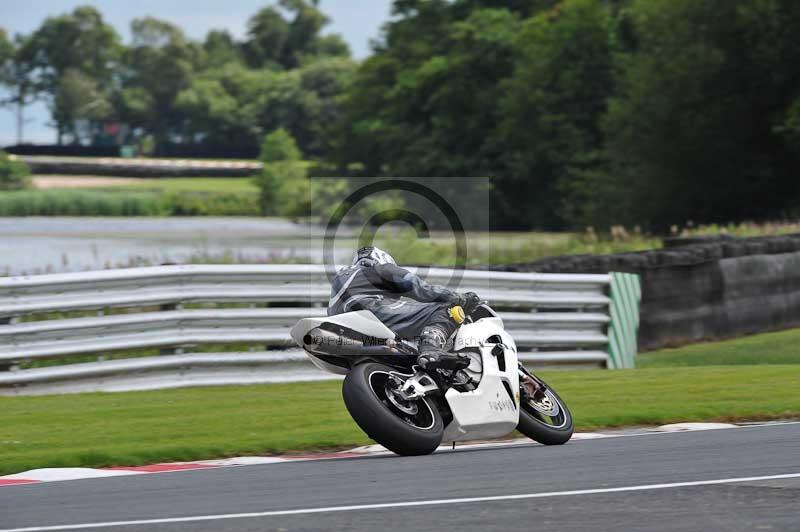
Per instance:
x=530, y=385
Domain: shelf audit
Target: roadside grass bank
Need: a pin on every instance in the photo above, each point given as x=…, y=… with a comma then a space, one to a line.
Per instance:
x=232, y=185
x=133, y=428
x=781, y=347
x=131, y=200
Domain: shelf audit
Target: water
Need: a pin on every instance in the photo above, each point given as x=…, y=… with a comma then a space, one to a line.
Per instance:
x=61, y=244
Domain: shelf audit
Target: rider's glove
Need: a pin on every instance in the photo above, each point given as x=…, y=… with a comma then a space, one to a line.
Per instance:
x=470, y=302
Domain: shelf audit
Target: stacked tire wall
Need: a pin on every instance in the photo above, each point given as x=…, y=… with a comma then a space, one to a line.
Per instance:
x=703, y=291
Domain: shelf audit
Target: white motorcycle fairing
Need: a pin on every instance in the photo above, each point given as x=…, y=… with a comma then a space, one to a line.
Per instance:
x=362, y=321
x=492, y=409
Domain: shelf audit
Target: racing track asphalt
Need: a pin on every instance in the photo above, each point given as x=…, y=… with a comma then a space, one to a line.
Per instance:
x=540, y=475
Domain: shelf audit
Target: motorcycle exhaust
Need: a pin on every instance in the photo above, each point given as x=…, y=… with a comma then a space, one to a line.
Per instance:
x=326, y=342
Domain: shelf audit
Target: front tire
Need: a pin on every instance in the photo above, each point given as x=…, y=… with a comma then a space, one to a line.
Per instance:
x=545, y=418
x=405, y=428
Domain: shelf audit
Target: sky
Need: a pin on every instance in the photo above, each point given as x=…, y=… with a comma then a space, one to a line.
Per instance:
x=358, y=21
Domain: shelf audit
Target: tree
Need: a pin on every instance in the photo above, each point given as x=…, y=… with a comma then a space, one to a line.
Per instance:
x=215, y=106
x=330, y=46
x=789, y=128
x=267, y=32
x=159, y=64
x=79, y=99
x=279, y=146
x=17, y=75
x=81, y=43
x=287, y=35
x=283, y=182
x=422, y=106
x=6, y=48
x=304, y=30
x=694, y=131
x=425, y=103
x=324, y=80
x=14, y=175
x=552, y=110
x=239, y=105
x=220, y=49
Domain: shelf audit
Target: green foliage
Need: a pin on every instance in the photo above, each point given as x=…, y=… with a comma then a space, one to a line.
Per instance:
x=552, y=108
x=78, y=97
x=461, y=91
x=6, y=47
x=17, y=70
x=238, y=185
x=78, y=203
x=279, y=146
x=210, y=104
x=582, y=112
x=267, y=32
x=789, y=129
x=423, y=105
x=238, y=105
x=692, y=128
x=79, y=41
x=285, y=186
x=88, y=202
x=285, y=189
x=14, y=175
x=158, y=66
x=648, y=112
x=73, y=57
x=220, y=50
x=277, y=42
x=284, y=175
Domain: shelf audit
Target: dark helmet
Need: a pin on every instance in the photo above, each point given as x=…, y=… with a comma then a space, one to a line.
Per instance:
x=370, y=256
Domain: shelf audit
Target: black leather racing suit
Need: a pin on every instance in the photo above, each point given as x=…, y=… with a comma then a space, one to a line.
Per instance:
x=380, y=288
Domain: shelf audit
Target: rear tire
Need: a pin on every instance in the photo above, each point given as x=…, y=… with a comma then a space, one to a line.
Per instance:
x=399, y=431
x=548, y=430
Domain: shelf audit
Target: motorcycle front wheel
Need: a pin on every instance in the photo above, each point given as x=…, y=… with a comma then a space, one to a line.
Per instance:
x=404, y=427
x=544, y=417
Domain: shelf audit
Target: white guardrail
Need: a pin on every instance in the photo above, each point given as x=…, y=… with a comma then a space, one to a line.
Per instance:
x=46, y=321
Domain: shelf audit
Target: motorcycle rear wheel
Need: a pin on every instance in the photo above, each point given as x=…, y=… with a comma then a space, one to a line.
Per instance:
x=405, y=428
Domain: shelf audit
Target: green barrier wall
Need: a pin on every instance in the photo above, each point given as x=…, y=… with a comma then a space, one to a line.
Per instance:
x=626, y=294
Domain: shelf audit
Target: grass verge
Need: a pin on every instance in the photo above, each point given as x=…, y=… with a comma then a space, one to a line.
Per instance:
x=128, y=201
x=232, y=185
x=133, y=428
x=769, y=348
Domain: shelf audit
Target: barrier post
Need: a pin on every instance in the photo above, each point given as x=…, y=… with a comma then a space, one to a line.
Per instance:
x=625, y=293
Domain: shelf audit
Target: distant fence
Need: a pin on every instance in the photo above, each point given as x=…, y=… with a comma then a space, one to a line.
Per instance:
x=139, y=167
x=208, y=151
x=555, y=319
x=707, y=289
x=179, y=151
x=66, y=150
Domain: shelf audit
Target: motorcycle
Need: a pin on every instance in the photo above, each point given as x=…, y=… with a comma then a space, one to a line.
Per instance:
x=410, y=411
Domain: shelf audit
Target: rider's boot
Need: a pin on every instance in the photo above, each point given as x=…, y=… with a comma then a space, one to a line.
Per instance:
x=432, y=354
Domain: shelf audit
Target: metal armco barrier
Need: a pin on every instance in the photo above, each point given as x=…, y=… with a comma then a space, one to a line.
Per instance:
x=556, y=319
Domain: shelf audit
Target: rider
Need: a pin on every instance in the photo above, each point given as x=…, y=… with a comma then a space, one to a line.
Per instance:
x=374, y=282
